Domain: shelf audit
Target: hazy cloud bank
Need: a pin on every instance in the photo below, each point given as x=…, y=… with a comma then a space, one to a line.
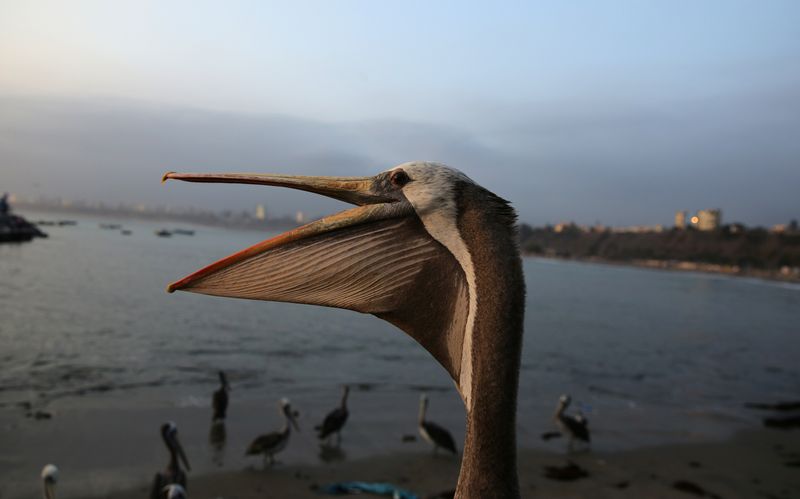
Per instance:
x=612, y=161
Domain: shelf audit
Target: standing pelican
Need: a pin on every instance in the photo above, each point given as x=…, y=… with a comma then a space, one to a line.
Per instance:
x=432, y=432
x=220, y=399
x=49, y=479
x=335, y=420
x=426, y=249
x=173, y=474
x=272, y=443
x=573, y=427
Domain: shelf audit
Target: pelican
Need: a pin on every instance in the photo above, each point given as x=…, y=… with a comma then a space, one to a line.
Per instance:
x=432, y=432
x=272, y=443
x=49, y=479
x=174, y=491
x=426, y=249
x=574, y=427
x=220, y=399
x=173, y=474
x=335, y=420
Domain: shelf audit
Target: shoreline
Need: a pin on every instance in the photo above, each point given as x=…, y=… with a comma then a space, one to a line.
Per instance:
x=283, y=224
x=681, y=266
x=754, y=463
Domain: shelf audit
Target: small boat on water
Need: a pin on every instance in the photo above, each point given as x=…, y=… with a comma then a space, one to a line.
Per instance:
x=126, y=232
x=163, y=233
x=183, y=232
x=110, y=226
x=54, y=223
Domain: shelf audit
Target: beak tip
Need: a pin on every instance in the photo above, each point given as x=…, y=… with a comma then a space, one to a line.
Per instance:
x=166, y=177
x=171, y=288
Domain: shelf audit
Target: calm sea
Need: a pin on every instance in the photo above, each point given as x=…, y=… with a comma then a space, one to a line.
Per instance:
x=88, y=334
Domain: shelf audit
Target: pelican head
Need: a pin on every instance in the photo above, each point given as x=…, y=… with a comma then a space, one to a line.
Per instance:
x=169, y=432
x=291, y=415
x=49, y=480
x=426, y=249
x=403, y=245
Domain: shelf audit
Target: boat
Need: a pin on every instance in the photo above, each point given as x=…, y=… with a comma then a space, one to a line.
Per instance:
x=110, y=226
x=183, y=232
x=163, y=233
x=126, y=232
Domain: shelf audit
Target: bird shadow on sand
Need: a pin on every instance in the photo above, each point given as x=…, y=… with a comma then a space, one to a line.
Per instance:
x=569, y=472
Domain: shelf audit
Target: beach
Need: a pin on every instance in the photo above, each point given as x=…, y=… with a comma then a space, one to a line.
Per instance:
x=657, y=361
x=752, y=464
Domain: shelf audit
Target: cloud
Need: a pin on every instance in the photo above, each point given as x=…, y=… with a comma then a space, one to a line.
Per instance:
x=617, y=161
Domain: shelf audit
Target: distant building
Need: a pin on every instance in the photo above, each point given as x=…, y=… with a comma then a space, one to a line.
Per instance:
x=261, y=213
x=680, y=219
x=562, y=226
x=708, y=219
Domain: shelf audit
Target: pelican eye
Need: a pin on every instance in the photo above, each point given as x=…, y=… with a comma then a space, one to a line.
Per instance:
x=399, y=178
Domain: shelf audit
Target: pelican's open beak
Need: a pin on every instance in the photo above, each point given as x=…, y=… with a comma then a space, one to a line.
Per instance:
x=253, y=273
x=375, y=258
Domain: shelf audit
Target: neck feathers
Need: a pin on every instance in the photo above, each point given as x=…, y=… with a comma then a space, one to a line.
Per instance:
x=492, y=346
x=560, y=408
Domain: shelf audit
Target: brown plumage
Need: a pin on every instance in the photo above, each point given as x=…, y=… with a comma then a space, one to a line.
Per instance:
x=335, y=420
x=431, y=252
x=272, y=443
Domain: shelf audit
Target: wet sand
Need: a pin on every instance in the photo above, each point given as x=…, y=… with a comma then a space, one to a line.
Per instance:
x=763, y=463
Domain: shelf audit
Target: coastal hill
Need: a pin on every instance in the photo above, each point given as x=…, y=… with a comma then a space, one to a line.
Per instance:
x=730, y=249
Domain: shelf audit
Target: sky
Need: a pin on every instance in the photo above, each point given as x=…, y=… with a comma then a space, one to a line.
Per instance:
x=613, y=112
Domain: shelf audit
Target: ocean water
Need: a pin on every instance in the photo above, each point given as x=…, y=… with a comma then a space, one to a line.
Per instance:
x=88, y=334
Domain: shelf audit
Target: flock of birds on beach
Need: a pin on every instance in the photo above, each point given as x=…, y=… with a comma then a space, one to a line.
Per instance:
x=425, y=248
x=172, y=483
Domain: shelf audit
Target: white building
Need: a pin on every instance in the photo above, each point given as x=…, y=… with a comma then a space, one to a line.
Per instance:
x=708, y=219
x=261, y=213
